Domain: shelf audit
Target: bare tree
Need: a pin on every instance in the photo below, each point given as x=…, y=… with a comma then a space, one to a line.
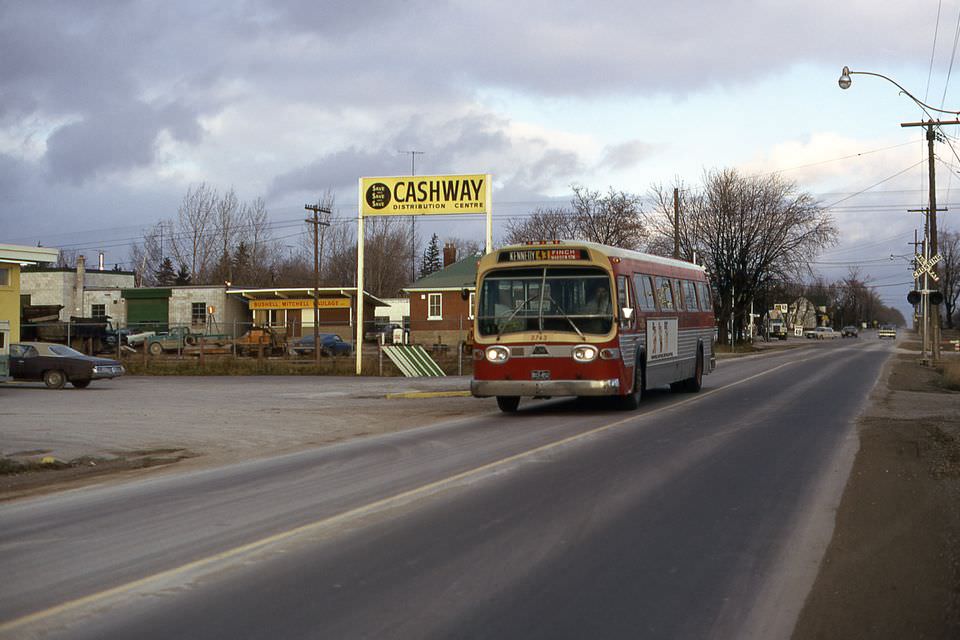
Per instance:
x=146, y=256
x=542, y=224
x=466, y=246
x=614, y=218
x=227, y=214
x=749, y=231
x=949, y=248
x=194, y=238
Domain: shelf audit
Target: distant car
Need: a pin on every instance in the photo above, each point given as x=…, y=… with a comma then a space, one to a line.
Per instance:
x=822, y=333
x=850, y=331
x=330, y=345
x=887, y=331
x=386, y=331
x=57, y=364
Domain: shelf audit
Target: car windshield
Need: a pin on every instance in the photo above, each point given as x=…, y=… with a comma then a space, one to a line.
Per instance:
x=577, y=300
x=63, y=350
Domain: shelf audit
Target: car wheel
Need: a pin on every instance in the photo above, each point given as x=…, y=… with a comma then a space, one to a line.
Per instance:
x=54, y=379
x=155, y=348
x=80, y=384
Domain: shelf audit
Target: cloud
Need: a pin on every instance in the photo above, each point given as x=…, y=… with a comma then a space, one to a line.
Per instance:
x=625, y=155
x=115, y=140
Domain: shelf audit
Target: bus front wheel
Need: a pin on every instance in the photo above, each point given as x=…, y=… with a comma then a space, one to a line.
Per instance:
x=508, y=404
x=631, y=401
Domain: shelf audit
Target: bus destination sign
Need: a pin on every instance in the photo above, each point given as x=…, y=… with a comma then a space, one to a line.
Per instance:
x=537, y=255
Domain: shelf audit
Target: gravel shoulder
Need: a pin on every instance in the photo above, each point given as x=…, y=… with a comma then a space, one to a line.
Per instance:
x=892, y=569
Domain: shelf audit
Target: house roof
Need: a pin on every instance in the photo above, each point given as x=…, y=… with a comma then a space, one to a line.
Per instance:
x=23, y=255
x=459, y=275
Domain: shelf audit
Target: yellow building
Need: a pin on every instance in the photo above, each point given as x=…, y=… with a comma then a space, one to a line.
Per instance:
x=12, y=257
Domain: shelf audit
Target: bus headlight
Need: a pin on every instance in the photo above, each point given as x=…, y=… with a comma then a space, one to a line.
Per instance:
x=498, y=354
x=585, y=353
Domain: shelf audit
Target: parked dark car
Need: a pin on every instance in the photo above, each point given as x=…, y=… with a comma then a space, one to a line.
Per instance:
x=57, y=364
x=330, y=345
x=850, y=331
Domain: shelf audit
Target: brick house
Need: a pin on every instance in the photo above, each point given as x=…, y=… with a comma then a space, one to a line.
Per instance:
x=439, y=314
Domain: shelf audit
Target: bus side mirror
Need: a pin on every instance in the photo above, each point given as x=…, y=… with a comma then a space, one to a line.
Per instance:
x=627, y=313
x=465, y=293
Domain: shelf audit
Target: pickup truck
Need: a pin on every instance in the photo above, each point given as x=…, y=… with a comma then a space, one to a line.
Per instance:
x=179, y=338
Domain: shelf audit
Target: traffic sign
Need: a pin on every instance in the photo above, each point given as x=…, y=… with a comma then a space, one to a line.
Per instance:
x=926, y=266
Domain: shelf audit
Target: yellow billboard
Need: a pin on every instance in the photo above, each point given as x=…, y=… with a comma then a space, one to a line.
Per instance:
x=424, y=195
x=322, y=303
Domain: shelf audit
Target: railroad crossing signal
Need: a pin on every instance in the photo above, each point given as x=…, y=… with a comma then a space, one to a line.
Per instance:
x=926, y=266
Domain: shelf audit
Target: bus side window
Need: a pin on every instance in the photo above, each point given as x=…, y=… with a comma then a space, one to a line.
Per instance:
x=665, y=294
x=644, y=288
x=678, y=295
x=706, y=301
x=690, y=295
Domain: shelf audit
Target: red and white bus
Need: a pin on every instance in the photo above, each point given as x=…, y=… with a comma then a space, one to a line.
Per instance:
x=567, y=318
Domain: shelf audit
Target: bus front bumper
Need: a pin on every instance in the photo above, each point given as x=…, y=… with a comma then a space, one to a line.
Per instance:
x=543, y=388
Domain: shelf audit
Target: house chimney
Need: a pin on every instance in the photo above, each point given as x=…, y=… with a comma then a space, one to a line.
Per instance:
x=78, y=286
x=449, y=254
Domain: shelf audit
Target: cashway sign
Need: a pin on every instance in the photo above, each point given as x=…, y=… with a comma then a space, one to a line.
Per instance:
x=424, y=195
x=418, y=196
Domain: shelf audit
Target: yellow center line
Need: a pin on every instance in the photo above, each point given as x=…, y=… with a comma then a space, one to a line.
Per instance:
x=358, y=512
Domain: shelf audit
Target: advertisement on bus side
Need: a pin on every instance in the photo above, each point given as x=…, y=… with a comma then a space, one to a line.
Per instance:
x=661, y=339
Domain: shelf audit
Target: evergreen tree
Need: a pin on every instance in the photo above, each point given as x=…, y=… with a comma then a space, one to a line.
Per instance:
x=183, y=275
x=242, y=262
x=431, y=262
x=165, y=274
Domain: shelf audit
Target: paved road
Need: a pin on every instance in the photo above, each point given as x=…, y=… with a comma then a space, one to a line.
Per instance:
x=697, y=516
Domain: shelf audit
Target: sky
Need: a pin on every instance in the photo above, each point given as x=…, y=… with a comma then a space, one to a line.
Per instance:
x=111, y=110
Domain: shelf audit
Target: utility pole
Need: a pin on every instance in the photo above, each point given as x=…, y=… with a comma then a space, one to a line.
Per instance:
x=676, y=223
x=413, y=219
x=934, y=310
x=317, y=223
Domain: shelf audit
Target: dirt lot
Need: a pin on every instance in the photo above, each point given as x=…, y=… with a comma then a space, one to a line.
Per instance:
x=72, y=437
x=892, y=569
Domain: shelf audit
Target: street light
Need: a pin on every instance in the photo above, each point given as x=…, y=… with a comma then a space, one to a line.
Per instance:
x=931, y=245
x=845, y=81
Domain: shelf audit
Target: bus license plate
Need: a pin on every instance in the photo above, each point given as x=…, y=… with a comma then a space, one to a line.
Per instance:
x=540, y=374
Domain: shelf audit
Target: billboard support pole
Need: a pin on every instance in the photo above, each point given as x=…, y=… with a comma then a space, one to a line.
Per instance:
x=359, y=298
x=489, y=202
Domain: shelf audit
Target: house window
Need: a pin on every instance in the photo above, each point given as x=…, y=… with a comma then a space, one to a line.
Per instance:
x=434, y=306
x=198, y=313
x=473, y=302
x=98, y=310
x=4, y=276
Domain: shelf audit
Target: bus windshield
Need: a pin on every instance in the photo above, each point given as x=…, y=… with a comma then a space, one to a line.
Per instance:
x=569, y=299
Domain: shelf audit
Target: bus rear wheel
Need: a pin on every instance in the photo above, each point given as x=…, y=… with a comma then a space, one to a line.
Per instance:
x=508, y=404
x=695, y=382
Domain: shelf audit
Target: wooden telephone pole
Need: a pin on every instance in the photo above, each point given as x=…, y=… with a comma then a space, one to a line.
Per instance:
x=317, y=223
